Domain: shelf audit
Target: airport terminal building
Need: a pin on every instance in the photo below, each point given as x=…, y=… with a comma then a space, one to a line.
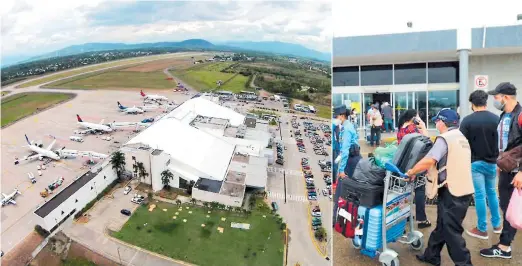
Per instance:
x=426, y=71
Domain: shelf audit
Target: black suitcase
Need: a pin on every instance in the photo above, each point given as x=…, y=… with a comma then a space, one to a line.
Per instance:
x=412, y=149
x=363, y=194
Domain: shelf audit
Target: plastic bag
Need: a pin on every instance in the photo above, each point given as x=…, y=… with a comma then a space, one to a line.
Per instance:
x=368, y=172
x=514, y=211
x=384, y=154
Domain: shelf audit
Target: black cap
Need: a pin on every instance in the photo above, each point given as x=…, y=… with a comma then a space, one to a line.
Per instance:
x=505, y=88
x=340, y=110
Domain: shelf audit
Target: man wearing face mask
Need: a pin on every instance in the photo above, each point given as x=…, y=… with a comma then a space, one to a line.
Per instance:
x=510, y=136
x=348, y=150
x=450, y=156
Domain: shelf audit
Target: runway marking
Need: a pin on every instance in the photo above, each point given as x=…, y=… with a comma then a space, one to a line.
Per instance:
x=130, y=262
x=30, y=222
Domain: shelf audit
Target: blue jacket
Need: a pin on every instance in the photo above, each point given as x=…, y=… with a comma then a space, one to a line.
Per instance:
x=335, y=139
x=347, y=137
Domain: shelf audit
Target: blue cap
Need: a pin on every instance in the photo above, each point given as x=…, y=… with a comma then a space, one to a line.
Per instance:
x=447, y=115
x=339, y=110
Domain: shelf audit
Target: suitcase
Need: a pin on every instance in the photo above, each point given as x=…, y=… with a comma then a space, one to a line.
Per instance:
x=362, y=193
x=412, y=149
x=346, y=218
x=371, y=238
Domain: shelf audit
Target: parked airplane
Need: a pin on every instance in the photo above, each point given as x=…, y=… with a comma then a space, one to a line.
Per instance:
x=153, y=97
x=9, y=199
x=130, y=110
x=39, y=152
x=92, y=127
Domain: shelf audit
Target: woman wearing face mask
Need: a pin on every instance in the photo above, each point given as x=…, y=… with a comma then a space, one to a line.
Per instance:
x=409, y=123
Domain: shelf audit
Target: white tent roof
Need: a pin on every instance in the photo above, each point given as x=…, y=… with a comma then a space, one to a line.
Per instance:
x=207, y=153
x=187, y=111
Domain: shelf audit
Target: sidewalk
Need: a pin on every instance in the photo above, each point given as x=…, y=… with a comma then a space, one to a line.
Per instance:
x=345, y=254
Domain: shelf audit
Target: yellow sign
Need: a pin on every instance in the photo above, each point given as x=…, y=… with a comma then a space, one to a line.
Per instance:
x=356, y=106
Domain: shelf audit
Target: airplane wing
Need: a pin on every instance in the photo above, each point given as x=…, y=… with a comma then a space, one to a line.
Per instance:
x=51, y=145
x=85, y=131
x=5, y=196
x=34, y=156
x=12, y=202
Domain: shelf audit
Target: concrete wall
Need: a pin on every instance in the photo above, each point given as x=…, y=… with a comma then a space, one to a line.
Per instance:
x=159, y=163
x=210, y=197
x=80, y=199
x=499, y=68
x=142, y=156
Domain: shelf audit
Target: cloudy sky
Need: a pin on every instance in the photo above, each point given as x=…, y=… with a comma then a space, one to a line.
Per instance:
x=32, y=27
x=370, y=17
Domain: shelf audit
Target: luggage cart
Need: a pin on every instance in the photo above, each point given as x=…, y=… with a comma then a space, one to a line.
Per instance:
x=399, y=186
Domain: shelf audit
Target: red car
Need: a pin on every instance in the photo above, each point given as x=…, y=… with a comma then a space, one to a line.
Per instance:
x=306, y=167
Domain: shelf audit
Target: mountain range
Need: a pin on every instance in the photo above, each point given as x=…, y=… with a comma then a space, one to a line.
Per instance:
x=269, y=47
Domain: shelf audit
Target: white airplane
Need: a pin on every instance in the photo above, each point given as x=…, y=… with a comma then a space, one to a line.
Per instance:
x=130, y=110
x=9, y=199
x=92, y=127
x=153, y=97
x=39, y=152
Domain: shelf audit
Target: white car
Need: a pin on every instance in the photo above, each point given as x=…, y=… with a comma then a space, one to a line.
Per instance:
x=127, y=190
x=316, y=214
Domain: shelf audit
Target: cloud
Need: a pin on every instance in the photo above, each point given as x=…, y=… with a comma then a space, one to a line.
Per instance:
x=44, y=26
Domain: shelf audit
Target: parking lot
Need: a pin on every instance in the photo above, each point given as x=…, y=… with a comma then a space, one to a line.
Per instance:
x=60, y=122
x=296, y=211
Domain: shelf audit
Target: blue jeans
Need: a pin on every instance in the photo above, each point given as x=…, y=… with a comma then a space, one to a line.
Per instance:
x=388, y=125
x=484, y=180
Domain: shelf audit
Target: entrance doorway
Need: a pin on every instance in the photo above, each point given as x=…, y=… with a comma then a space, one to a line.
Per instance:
x=378, y=97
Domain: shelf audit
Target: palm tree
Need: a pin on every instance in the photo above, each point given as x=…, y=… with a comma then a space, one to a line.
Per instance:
x=178, y=202
x=190, y=185
x=230, y=208
x=214, y=204
x=238, y=209
x=206, y=204
x=193, y=201
x=166, y=176
x=142, y=173
x=118, y=162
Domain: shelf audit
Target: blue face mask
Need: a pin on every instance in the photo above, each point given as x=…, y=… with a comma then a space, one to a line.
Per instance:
x=499, y=105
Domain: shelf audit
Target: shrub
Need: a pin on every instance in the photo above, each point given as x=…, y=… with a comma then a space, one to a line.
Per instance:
x=41, y=231
x=138, y=227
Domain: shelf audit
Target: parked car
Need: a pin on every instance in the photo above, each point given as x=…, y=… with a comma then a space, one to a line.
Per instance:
x=319, y=223
x=312, y=197
x=280, y=161
x=316, y=214
x=125, y=212
x=127, y=190
x=274, y=206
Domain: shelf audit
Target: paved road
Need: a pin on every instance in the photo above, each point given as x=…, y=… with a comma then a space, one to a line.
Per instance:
x=106, y=214
x=295, y=210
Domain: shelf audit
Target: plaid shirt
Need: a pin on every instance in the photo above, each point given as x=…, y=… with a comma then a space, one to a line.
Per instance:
x=412, y=128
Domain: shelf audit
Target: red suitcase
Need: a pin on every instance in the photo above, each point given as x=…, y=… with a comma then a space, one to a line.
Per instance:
x=346, y=219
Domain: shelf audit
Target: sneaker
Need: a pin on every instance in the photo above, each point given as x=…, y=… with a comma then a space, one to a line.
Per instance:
x=495, y=252
x=477, y=233
x=422, y=258
x=497, y=230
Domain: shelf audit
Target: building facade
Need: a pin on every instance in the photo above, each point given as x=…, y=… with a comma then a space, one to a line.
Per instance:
x=426, y=71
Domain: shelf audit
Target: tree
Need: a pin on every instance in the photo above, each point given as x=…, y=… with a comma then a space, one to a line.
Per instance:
x=230, y=208
x=150, y=195
x=118, y=162
x=206, y=204
x=166, y=176
x=320, y=233
x=214, y=204
x=178, y=202
x=142, y=173
x=193, y=201
x=189, y=189
x=221, y=206
x=238, y=209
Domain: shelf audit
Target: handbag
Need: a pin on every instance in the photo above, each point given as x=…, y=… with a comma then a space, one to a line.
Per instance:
x=514, y=211
x=510, y=160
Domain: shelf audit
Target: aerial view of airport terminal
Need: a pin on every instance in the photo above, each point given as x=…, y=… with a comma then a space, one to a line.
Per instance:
x=165, y=133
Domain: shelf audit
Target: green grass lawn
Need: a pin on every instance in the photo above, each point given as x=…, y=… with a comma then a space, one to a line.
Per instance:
x=5, y=92
x=262, y=244
x=87, y=69
x=78, y=262
x=117, y=79
x=204, y=77
x=18, y=106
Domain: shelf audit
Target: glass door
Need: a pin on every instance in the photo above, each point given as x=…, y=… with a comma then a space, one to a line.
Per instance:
x=353, y=103
x=400, y=105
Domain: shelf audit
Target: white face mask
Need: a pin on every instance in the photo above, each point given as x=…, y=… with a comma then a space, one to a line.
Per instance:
x=337, y=121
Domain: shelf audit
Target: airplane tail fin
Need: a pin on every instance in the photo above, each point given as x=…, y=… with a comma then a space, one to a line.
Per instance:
x=121, y=106
x=142, y=94
x=79, y=118
x=18, y=191
x=27, y=139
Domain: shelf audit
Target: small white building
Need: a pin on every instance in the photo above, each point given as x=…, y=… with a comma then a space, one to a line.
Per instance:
x=75, y=196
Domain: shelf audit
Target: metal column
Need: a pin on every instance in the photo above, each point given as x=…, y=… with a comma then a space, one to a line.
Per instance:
x=463, y=82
